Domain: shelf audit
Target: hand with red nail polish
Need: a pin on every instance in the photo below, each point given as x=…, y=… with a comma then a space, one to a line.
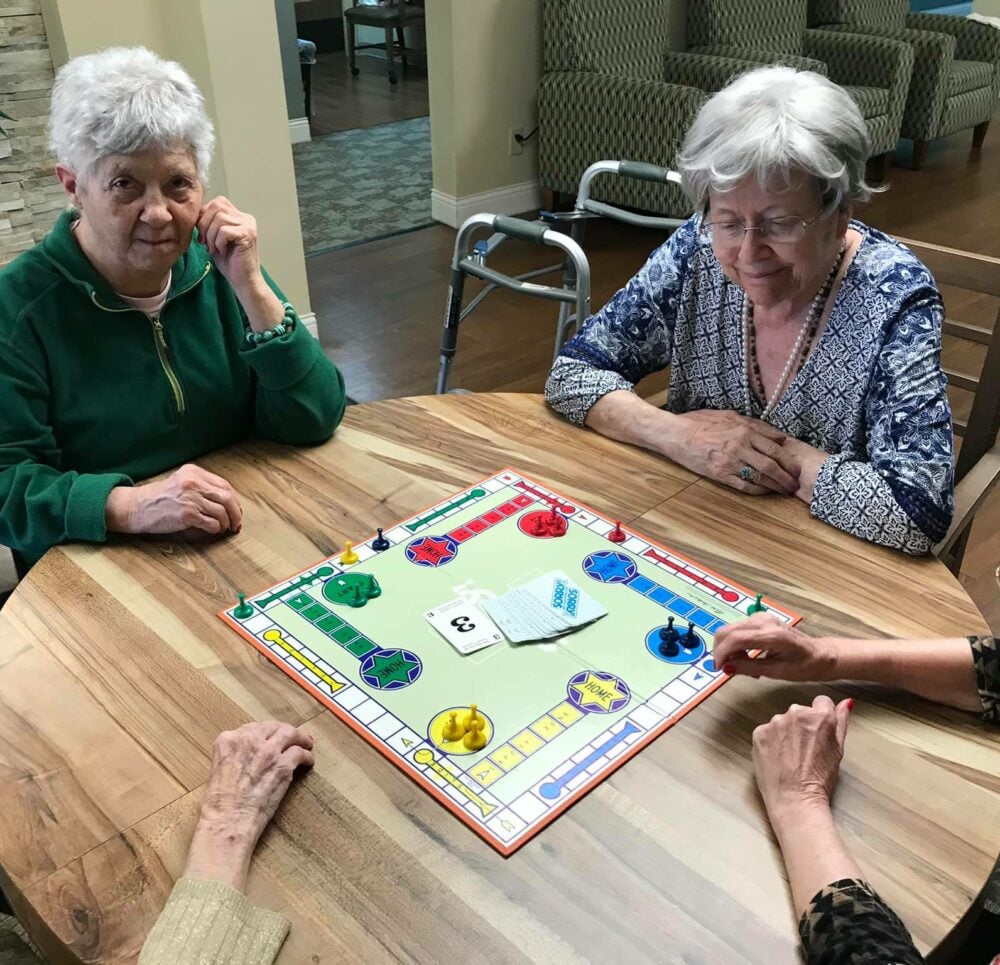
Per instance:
x=797, y=756
x=788, y=654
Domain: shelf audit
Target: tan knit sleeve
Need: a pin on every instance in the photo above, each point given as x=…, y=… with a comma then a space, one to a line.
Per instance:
x=210, y=923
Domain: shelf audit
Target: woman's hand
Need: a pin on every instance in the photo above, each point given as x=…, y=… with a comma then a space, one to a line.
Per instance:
x=789, y=653
x=809, y=460
x=797, y=757
x=190, y=498
x=252, y=768
x=230, y=235
x=717, y=444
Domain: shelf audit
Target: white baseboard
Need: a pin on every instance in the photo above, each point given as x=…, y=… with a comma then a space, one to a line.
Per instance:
x=309, y=320
x=298, y=130
x=513, y=199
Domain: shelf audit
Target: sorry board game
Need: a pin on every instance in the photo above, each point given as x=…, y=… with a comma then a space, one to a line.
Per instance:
x=363, y=632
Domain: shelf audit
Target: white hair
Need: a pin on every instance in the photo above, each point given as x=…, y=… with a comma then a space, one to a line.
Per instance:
x=122, y=100
x=778, y=121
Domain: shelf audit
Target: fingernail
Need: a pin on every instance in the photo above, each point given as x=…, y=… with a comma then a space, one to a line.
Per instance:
x=850, y=704
x=728, y=668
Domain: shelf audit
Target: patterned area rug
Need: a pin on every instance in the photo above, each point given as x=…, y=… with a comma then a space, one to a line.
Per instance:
x=363, y=185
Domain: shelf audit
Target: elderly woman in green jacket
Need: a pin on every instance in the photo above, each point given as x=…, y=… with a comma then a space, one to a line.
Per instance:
x=142, y=332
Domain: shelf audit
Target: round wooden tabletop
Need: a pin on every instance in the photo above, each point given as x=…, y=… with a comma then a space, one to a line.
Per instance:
x=117, y=675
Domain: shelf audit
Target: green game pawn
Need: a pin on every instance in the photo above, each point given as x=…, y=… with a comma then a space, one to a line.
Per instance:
x=373, y=589
x=756, y=606
x=244, y=609
x=358, y=597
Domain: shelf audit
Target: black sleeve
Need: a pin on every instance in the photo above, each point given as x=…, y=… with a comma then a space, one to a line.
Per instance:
x=986, y=654
x=847, y=923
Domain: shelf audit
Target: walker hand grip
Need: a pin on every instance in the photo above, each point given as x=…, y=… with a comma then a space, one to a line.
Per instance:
x=645, y=172
x=516, y=228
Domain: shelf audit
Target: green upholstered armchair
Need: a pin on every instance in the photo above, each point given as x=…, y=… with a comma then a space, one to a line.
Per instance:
x=956, y=74
x=874, y=70
x=612, y=89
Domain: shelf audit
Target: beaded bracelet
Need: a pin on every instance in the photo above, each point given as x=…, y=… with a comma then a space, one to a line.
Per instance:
x=285, y=325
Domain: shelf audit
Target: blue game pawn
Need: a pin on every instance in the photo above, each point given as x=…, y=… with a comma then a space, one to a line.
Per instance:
x=669, y=638
x=380, y=544
x=690, y=639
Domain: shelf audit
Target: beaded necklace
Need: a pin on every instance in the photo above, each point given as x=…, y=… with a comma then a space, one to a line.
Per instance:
x=800, y=350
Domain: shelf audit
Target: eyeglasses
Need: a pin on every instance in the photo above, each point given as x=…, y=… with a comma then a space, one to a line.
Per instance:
x=778, y=231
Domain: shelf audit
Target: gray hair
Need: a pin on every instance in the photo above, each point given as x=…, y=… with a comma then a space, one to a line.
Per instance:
x=778, y=121
x=122, y=100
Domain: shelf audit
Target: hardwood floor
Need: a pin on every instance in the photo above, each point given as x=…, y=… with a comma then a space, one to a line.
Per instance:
x=341, y=102
x=381, y=305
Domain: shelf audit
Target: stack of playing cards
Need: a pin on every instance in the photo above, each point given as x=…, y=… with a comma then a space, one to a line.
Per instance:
x=544, y=608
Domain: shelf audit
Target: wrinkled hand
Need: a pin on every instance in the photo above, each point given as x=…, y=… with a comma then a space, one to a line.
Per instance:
x=797, y=755
x=190, y=498
x=717, y=444
x=230, y=235
x=809, y=460
x=788, y=653
x=252, y=768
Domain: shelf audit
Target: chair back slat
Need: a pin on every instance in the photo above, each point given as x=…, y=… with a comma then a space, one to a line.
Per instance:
x=981, y=274
x=963, y=269
x=971, y=333
x=961, y=380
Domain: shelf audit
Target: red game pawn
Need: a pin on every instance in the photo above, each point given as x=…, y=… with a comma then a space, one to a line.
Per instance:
x=617, y=535
x=557, y=523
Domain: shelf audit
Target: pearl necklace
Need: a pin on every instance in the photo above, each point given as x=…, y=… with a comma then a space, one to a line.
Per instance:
x=800, y=350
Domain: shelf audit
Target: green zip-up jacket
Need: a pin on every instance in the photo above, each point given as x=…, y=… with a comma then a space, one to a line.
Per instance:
x=94, y=394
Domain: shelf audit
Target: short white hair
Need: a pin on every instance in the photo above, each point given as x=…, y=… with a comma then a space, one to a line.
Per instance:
x=778, y=121
x=122, y=100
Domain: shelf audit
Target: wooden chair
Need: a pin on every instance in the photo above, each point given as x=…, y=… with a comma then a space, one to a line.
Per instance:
x=393, y=15
x=977, y=469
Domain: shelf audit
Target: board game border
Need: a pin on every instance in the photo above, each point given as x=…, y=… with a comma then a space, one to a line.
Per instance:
x=418, y=777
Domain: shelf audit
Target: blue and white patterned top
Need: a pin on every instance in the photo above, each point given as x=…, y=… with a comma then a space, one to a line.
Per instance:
x=872, y=393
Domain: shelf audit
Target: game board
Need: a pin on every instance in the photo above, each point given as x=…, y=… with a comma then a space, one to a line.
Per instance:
x=560, y=716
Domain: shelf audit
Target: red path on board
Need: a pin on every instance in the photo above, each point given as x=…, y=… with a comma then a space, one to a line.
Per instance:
x=730, y=596
x=551, y=500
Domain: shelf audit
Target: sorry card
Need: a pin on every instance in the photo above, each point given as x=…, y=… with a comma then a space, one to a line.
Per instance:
x=364, y=633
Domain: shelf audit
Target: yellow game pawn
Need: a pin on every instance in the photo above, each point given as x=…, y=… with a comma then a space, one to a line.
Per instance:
x=348, y=556
x=453, y=730
x=471, y=717
x=475, y=739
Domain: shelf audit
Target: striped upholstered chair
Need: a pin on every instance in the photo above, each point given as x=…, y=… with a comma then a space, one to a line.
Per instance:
x=612, y=89
x=875, y=70
x=956, y=74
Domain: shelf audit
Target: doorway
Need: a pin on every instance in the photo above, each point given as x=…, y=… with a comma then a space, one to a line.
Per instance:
x=365, y=171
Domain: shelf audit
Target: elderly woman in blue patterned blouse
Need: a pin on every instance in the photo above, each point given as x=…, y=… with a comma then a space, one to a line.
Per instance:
x=804, y=346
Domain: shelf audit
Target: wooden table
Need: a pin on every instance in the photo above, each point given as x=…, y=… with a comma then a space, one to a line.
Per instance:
x=117, y=675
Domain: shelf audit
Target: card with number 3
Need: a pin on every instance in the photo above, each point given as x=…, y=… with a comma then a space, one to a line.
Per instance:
x=464, y=626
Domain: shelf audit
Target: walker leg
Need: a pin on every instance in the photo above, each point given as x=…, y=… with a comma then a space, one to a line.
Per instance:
x=449, y=337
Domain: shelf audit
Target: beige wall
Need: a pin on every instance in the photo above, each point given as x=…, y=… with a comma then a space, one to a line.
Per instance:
x=988, y=8
x=485, y=61
x=230, y=47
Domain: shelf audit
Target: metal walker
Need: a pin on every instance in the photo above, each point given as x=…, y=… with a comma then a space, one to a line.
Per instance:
x=574, y=294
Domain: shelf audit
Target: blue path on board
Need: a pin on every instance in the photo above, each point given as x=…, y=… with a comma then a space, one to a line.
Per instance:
x=610, y=566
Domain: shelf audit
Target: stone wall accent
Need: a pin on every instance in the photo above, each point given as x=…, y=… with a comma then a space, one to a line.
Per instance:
x=30, y=195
